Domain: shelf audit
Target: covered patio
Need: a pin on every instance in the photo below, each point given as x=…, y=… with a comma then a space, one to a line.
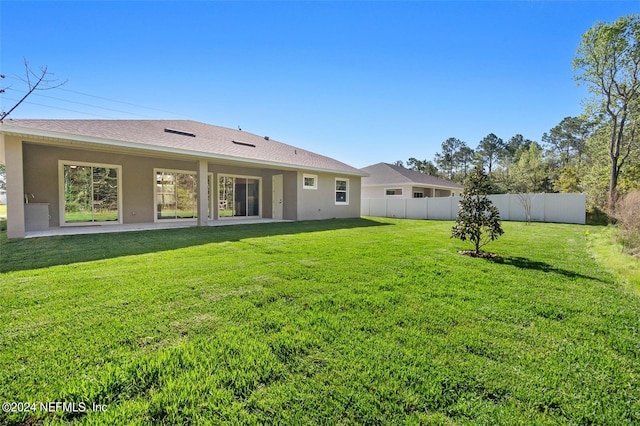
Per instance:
x=97, y=229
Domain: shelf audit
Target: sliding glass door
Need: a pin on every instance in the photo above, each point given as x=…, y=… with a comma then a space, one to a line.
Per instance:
x=90, y=193
x=238, y=196
x=176, y=194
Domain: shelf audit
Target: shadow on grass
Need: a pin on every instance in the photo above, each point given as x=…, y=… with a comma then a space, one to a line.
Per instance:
x=524, y=263
x=33, y=253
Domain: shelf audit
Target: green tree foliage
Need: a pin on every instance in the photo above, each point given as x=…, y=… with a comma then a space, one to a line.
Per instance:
x=464, y=158
x=514, y=147
x=503, y=177
x=530, y=174
x=567, y=152
x=568, y=180
x=478, y=220
x=568, y=140
x=608, y=62
x=422, y=166
x=447, y=158
x=594, y=175
x=490, y=150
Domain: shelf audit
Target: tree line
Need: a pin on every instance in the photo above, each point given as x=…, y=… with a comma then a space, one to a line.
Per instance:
x=597, y=152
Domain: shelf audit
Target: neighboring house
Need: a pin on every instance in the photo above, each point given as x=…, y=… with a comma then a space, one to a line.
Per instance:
x=389, y=181
x=63, y=173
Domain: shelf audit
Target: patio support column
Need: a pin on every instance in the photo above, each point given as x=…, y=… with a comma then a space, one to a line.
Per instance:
x=15, y=187
x=203, y=193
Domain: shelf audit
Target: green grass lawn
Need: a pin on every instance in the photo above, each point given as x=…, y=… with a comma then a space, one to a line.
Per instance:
x=361, y=321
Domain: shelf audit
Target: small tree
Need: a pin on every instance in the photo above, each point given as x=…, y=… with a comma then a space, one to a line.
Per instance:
x=526, y=201
x=478, y=219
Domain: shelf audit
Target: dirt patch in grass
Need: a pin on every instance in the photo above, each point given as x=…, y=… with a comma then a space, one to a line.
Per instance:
x=482, y=254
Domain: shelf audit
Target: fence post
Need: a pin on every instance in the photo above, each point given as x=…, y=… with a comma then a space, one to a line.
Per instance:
x=451, y=207
x=426, y=208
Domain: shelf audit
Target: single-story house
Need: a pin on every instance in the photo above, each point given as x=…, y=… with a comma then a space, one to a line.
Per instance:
x=80, y=173
x=387, y=180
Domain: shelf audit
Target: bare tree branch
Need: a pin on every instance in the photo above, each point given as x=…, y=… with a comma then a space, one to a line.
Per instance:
x=42, y=83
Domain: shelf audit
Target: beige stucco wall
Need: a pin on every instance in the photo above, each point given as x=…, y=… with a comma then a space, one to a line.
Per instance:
x=320, y=203
x=41, y=178
x=289, y=184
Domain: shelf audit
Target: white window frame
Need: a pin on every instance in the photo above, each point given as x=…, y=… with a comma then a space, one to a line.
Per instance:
x=335, y=192
x=155, y=195
x=217, y=189
x=393, y=189
x=61, y=197
x=308, y=176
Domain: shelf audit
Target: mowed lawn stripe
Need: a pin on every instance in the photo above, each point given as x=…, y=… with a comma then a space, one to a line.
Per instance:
x=368, y=321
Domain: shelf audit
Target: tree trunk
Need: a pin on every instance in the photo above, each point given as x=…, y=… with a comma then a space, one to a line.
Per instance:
x=613, y=185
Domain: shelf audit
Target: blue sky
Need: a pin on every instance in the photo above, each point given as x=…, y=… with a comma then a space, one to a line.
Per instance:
x=362, y=82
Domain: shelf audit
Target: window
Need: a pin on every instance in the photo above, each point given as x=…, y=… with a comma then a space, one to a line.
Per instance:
x=342, y=191
x=310, y=181
x=238, y=196
x=176, y=194
x=90, y=193
x=396, y=191
x=418, y=195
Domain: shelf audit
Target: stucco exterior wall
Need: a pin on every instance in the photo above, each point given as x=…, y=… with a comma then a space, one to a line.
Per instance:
x=314, y=204
x=41, y=178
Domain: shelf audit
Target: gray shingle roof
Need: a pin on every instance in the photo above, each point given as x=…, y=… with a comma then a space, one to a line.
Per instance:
x=388, y=174
x=210, y=141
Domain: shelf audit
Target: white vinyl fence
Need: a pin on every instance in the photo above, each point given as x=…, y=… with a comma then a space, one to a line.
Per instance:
x=561, y=208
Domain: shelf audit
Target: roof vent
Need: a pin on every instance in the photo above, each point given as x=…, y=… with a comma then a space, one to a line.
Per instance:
x=266, y=138
x=180, y=132
x=244, y=144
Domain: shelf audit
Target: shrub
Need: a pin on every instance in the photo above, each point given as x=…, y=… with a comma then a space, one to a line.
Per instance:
x=628, y=216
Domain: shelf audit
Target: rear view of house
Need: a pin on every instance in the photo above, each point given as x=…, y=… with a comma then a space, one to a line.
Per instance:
x=79, y=173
